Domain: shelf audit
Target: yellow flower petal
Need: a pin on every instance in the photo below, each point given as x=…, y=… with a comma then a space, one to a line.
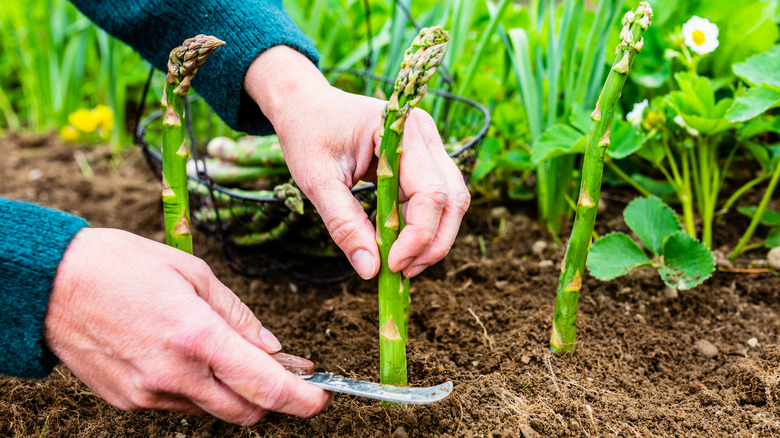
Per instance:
x=105, y=117
x=84, y=120
x=69, y=133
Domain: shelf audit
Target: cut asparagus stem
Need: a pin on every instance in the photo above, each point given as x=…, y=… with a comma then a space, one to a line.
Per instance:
x=248, y=150
x=563, y=337
x=183, y=63
x=418, y=66
x=227, y=173
x=224, y=199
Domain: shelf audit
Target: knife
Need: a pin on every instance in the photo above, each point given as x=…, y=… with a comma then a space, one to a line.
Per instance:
x=304, y=369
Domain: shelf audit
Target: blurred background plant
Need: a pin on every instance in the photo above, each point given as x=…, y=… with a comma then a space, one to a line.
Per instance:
x=54, y=62
x=703, y=135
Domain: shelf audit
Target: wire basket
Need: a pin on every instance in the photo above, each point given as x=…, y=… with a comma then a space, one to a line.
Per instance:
x=263, y=233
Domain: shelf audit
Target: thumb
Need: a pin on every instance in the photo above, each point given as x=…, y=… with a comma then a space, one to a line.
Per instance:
x=237, y=314
x=349, y=227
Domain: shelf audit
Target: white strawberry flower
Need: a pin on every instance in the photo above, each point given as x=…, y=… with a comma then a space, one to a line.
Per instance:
x=635, y=115
x=700, y=35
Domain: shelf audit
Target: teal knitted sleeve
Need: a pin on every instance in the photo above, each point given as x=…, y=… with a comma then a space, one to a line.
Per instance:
x=32, y=242
x=155, y=27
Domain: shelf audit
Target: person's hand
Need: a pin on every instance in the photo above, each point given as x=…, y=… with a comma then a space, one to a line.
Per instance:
x=330, y=140
x=148, y=326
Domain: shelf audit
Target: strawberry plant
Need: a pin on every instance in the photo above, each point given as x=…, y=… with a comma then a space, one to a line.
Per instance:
x=681, y=260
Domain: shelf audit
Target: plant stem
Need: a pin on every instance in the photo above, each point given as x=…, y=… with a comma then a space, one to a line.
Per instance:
x=741, y=191
x=707, y=191
x=183, y=63
x=418, y=66
x=687, y=197
x=757, y=216
x=681, y=185
x=625, y=177
x=563, y=337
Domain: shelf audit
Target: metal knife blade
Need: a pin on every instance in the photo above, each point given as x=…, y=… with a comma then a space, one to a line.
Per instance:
x=304, y=369
x=395, y=394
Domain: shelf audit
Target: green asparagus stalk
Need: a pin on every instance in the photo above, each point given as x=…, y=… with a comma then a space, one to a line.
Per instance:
x=256, y=215
x=418, y=66
x=563, y=338
x=291, y=195
x=248, y=150
x=183, y=63
x=224, y=199
x=227, y=173
x=264, y=237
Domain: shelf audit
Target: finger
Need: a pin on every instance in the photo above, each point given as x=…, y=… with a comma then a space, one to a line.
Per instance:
x=230, y=307
x=175, y=404
x=427, y=194
x=220, y=401
x=349, y=226
x=258, y=378
x=452, y=215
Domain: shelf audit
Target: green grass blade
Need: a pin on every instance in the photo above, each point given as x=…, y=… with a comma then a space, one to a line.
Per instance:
x=482, y=46
x=517, y=43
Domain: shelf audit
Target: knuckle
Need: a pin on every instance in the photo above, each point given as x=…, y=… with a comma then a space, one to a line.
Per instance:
x=253, y=417
x=271, y=394
x=437, y=193
x=423, y=236
x=461, y=201
x=201, y=269
x=424, y=117
x=141, y=400
x=240, y=315
x=190, y=339
x=156, y=383
x=439, y=252
x=341, y=230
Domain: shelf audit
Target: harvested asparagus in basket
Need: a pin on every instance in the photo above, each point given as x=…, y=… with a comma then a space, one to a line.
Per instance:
x=418, y=66
x=183, y=63
x=230, y=174
x=248, y=150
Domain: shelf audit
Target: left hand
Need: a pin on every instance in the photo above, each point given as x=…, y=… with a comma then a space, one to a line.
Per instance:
x=330, y=140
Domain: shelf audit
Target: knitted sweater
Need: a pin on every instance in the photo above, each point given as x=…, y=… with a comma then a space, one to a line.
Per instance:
x=155, y=27
x=32, y=242
x=33, y=239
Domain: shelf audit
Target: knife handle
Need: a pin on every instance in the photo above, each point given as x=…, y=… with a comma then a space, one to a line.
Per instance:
x=295, y=364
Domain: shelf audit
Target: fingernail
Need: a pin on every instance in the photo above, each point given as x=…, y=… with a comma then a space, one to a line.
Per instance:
x=363, y=263
x=269, y=340
x=415, y=270
x=404, y=264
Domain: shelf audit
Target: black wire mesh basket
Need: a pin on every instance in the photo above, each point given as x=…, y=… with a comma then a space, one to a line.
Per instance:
x=261, y=227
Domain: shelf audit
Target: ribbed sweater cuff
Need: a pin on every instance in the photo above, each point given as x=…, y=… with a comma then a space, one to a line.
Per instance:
x=33, y=240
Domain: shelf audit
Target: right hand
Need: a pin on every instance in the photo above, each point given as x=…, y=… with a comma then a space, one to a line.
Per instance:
x=148, y=326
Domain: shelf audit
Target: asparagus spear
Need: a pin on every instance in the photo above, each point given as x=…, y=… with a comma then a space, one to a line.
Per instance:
x=183, y=63
x=224, y=199
x=418, y=66
x=253, y=214
x=261, y=238
x=563, y=337
x=291, y=195
x=248, y=150
x=226, y=173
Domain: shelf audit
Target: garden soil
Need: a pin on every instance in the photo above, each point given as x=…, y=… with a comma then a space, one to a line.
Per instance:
x=646, y=365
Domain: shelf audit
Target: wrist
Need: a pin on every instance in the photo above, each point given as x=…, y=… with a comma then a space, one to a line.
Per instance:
x=282, y=78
